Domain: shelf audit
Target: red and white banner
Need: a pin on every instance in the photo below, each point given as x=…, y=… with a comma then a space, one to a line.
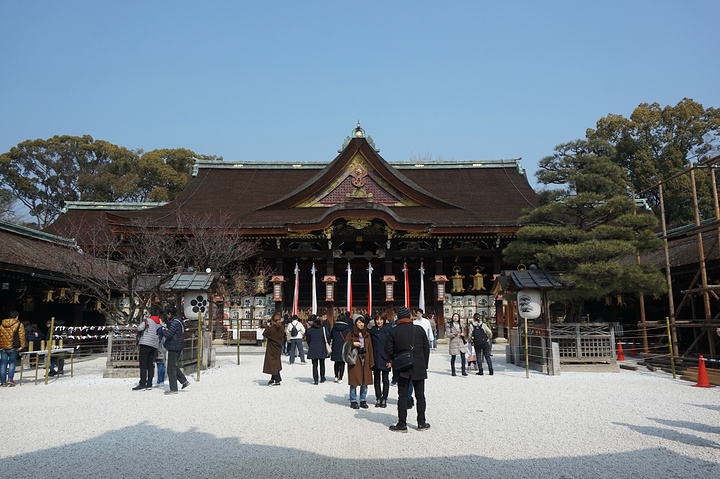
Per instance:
x=407, y=286
x=370, y=270
x=297, y=287
x=349, y=288
x=314, y=290
x=421, y=302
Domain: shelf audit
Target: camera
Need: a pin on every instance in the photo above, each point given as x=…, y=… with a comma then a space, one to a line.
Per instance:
x=362, y=350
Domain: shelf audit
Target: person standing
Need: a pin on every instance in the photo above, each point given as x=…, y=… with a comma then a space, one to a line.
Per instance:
x=148, y=348
x=295, y=332
x=423, y=322
x=433, y=327
x=408, y=336
x=174, y=335
x=456, y=342
x=340, y=330
x=274, y=334
x=482, y=342
x=12, y=340
x=360, y=373
x=381, y=370
x=160, y=358
x=317, y=352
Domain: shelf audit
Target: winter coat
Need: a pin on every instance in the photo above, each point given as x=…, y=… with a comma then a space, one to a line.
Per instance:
x=358, y=371
x=316, y=343
x=454, y=333
x=149, y=332
x=175, y=335
x=399, y=340
x=300, y=330
x=7, y=333
x=273, y=349
x=379, y=338
x=339, y=332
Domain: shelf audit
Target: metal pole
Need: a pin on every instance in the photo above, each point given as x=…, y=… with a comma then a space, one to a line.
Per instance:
x=672, y=357
x=527, y=355
x=237, y=338
x=49, y=349
x=199, y=346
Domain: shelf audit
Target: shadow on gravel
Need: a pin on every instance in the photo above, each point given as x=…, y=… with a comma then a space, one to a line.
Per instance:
x=144, y=450
x=694, y=426
x=671, y=435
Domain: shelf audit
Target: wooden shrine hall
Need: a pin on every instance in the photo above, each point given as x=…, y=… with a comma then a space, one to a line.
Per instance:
x=359, y=212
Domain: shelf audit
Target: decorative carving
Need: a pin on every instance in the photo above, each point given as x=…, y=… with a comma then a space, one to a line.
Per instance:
x=359, y=223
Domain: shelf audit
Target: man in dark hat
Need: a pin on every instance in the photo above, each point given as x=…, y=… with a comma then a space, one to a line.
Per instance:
x=408, y=336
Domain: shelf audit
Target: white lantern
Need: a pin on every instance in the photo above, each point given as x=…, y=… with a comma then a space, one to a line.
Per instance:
x=195, y=302
x=529, y=302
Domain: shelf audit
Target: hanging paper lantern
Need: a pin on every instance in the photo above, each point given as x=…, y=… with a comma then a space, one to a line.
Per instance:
x=196, y=302
x=529, y=303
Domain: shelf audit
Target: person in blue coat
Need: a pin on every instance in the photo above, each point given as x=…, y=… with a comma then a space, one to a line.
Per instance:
x=315, y=337
x=340, y=330
x=174, y=335
x=381, y=369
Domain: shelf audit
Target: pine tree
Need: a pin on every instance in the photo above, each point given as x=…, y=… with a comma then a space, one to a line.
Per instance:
x=586, y=228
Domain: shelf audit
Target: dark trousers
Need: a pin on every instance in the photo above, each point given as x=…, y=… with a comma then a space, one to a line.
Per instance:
x=339, y=369
x=174, y=373
x=486, y=349
x=462, y=362
x=419, y=386
x=147, y=356
x=321, y=363
x=381, y=376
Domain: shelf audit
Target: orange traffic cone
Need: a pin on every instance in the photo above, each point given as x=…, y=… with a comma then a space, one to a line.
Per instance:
x=621, y=356
x=702, y=376
x=633, y=351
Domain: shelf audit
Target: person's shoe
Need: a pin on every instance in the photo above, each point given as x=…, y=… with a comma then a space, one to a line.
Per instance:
x=167, y=393
x=315, y=382
x=378, y=403
x=185, y=384
x=303, y=362
x=148, y=388
x=363, y=404
x=3, y=385
x=139, y=387
x=322, y=380
x=424, y=426
x=479, y=373
x=11, y=383
x=275, y=383
x=453, y=374
x=336, y=380
x=52, y=373
x=491, y=372
x=393, y=383
x=398, y=428
x=464, y=374
x=383, y=402
x=354, y=405
x=61, y=372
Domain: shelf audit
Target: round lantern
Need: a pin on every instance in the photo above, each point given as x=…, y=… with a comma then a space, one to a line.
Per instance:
x=195, y=303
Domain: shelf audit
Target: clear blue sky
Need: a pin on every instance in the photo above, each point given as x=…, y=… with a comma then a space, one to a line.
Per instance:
x=288, y=80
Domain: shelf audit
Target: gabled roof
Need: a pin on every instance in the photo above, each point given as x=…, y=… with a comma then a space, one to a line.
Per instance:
x=262, y=198
x=532, y=279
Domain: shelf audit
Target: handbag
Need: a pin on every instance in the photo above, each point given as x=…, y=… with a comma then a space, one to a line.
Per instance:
x=349, y=353
x=403, y=361
x=328, y=348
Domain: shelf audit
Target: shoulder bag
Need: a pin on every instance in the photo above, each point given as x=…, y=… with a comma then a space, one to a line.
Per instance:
x=403, y=361
x=328, y=348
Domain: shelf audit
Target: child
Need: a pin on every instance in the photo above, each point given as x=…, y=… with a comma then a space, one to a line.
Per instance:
x=160, y=361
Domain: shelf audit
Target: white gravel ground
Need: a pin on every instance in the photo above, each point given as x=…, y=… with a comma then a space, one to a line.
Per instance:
x=231, y=424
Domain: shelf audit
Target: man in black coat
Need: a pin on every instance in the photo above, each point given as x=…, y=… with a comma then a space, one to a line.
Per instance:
x=404, y=335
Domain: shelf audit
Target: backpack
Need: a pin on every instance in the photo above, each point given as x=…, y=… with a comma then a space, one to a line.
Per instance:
x=293, y=330
x=16, y=338
x=479, y=335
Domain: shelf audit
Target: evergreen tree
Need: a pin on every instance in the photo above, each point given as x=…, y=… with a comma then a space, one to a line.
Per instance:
x=586, y=227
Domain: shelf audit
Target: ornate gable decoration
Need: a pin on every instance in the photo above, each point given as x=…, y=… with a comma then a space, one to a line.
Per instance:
x=358, y=182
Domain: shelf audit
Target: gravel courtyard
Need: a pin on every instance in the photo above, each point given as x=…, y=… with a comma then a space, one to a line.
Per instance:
x=231, y=424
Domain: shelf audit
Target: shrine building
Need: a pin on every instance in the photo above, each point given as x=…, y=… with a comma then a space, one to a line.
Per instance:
x=360, y=228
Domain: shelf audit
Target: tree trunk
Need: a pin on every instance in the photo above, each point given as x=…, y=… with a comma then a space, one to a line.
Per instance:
x=575, y=311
